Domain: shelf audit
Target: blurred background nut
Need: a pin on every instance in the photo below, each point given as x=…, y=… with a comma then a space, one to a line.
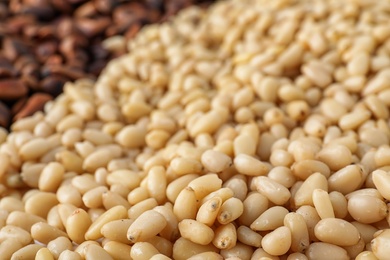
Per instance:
x=11, y=89
x=35, y=103
x=5, y=114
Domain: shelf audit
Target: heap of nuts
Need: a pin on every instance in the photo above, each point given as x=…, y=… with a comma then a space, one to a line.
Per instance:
x=44, y=44
x=255, y=129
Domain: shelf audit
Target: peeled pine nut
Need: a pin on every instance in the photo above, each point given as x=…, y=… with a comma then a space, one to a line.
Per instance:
x=208, y=212
x=323, y=204
x=225, y=236
x=117, y=212
x=337, y=231
x=230, y=210
x=359, y=205
x=147, y=225
x=270, y=219
x=277, y=242
x=275, y=192
x=196, y=232
x=299, y=232
x=381, y=180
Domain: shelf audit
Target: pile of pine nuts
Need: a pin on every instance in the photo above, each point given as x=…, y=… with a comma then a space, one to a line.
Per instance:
x=255, y=129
